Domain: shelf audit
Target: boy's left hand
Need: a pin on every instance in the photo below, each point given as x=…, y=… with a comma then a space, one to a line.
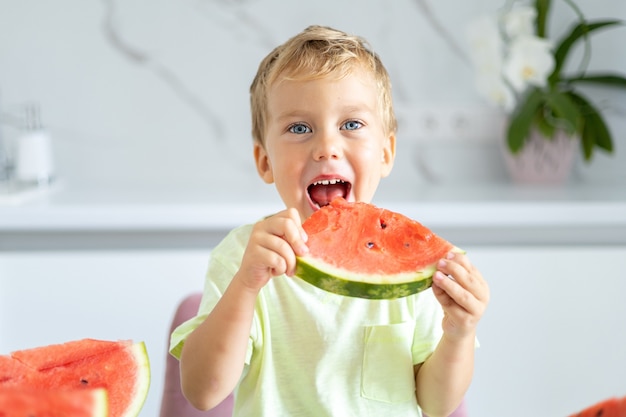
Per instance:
x=462, y=292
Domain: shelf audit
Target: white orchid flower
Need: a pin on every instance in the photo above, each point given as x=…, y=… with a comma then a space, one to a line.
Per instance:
x=530, y=62
x=487, y=53
x=519, y=22
x=492, y=87
x=485, y=41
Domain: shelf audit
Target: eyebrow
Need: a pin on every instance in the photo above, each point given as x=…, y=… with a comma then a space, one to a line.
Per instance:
x=347, y=109
x=359, y=109
x=291, y=114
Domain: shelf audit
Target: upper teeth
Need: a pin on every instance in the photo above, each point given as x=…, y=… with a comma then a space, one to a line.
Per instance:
x=328, y=182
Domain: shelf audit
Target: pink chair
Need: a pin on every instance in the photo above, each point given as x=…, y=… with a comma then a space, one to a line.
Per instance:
x=174, y=404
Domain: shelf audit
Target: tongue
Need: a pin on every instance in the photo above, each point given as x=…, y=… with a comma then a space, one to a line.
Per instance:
x=324, y=194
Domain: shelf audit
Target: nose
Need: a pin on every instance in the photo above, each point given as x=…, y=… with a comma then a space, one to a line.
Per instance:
x=327, y=145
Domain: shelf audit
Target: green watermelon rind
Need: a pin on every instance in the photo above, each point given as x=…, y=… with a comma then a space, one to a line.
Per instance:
x=143, y=379
x=372, y=287
x=101, y=399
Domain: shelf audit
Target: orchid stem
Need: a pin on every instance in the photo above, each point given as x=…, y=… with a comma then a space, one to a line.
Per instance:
x=584, y=63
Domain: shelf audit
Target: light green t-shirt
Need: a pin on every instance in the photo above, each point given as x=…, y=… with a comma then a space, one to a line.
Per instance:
x=314, y=353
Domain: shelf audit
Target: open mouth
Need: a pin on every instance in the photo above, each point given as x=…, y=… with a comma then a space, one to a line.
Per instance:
x=322, y=192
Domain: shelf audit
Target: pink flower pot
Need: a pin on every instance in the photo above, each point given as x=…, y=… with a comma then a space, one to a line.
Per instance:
x=542, y=160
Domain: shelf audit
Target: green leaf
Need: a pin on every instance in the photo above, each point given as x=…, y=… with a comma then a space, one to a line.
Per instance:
x=566, y=111
x=596, y=124
x=611, y=80
x=546, y=128
x=587, y=140
x=522, y=119
x=595, y=132
x=579, y=30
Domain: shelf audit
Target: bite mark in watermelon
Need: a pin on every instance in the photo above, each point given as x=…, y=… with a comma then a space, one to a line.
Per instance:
x=120, y=367
x=360, y=250
x=27, y=402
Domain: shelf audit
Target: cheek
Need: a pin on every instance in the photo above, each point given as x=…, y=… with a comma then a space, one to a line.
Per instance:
x=372, y=158
x=282, y=162
x=369, y=167
x=287, y=168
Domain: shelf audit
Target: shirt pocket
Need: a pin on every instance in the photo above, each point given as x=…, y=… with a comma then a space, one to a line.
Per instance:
x=387, y=371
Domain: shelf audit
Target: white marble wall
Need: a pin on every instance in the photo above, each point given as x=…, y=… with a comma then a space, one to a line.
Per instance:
x=144, y=92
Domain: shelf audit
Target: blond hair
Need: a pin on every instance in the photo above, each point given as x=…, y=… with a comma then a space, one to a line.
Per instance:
x=318, y=52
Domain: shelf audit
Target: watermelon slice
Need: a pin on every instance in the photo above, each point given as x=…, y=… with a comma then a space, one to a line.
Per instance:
x=27, y=402
x=610, y=407
x=360, y=250
x=120, y=367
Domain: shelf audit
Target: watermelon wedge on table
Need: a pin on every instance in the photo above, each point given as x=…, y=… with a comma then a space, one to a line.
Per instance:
x=610, y=407
x=120, y=367
x=27, y=402
x=360, y=250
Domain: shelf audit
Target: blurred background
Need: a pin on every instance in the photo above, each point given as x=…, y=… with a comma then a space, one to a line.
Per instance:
x=145, y=104
x=141, y=92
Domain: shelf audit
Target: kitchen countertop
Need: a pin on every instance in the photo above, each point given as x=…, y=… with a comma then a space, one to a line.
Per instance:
x=62, y=217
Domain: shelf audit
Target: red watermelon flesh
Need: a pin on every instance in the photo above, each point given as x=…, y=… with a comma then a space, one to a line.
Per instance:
x=122, y=368
x=55, y=355
x=28, y=402
x=358, y=249
x=611, y=407
x=10, y=369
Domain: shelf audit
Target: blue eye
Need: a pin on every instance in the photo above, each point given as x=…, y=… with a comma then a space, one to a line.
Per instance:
x=352, y=125
x=299, y=129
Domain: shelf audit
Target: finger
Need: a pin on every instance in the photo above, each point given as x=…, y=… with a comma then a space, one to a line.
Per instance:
x=295, y=234
x=460, y=258
x=295, y=215
x=465, y=274
x=454, y=314
x=455, y=292
x=441, y=295
x=287, y=225
x=274, y=263
x=278, y=256
x=453, y=270
x=268, y=250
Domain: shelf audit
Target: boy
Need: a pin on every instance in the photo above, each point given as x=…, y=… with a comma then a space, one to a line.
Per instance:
x=323, y=127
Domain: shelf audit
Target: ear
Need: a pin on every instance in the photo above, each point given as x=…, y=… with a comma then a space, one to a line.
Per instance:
x=263, y=164
x=389, y=155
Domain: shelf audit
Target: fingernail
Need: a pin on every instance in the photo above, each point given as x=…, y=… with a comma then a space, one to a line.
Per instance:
x=442, y=263
x=450, y=255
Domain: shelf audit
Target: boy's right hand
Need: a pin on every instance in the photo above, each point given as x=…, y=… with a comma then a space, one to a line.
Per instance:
x=272, y=249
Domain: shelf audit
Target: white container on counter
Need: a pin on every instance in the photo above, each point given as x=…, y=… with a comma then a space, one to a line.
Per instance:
x=34, y=162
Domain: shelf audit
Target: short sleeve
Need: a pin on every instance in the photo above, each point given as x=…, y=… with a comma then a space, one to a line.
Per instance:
x=224, y=262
